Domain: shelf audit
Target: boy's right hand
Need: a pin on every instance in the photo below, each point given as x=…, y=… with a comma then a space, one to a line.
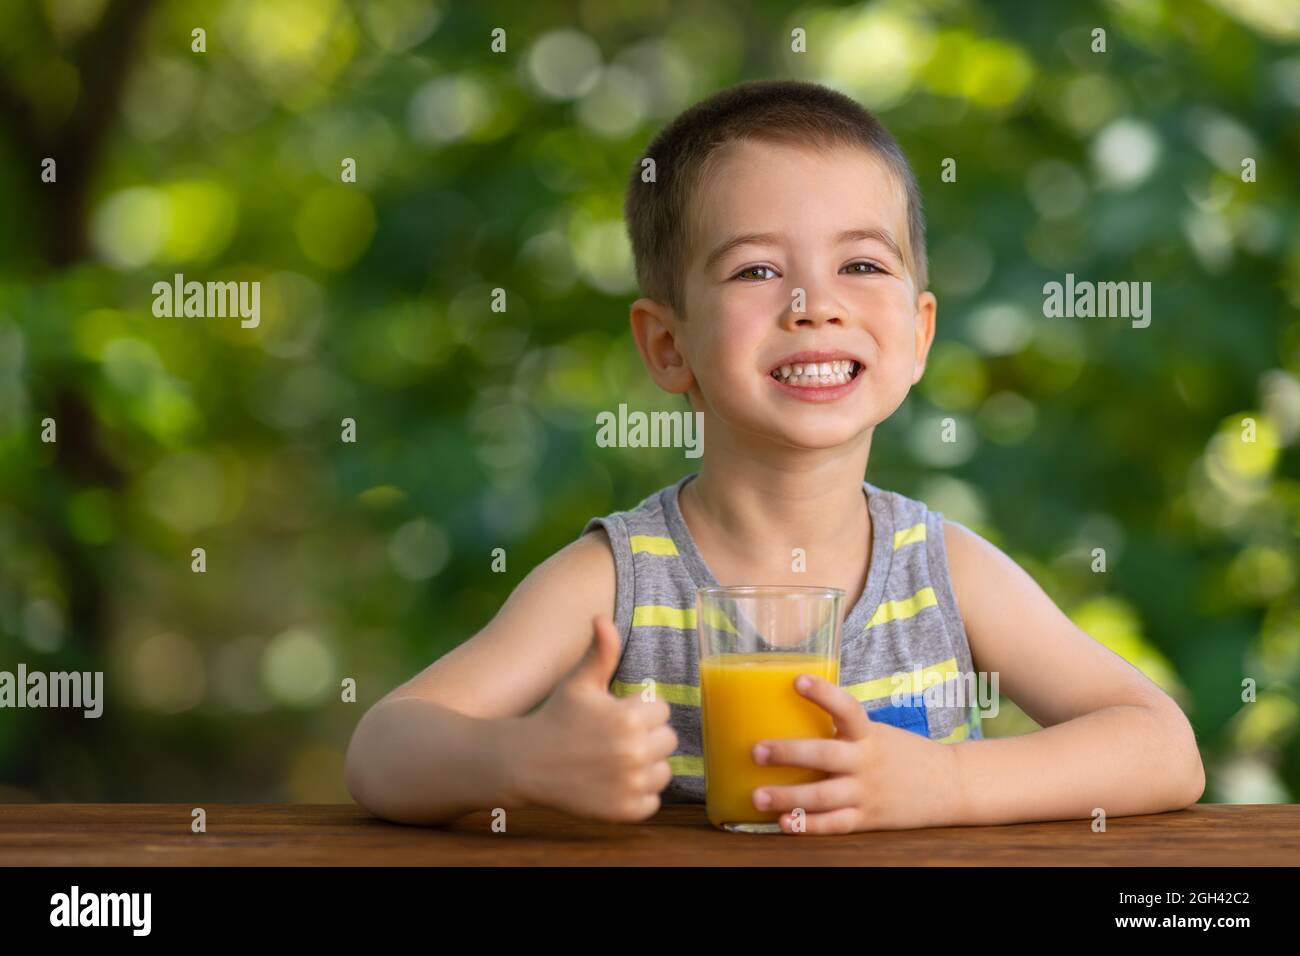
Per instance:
x=592, y=754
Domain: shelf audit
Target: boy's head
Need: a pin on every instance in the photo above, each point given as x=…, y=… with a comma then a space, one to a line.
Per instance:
x=660, y=215
x=782, y=219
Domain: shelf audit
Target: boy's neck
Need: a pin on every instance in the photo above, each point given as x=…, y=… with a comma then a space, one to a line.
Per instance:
x=764, y=509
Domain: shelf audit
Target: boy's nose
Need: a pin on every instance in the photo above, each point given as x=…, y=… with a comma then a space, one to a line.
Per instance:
x=814, y=317
x=808, y=319
x=819, y=307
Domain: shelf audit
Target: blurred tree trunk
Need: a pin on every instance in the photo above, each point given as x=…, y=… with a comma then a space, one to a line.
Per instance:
x=103, y=58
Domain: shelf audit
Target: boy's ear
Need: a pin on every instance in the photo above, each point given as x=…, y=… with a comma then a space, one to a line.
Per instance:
x=926, y=307
x=655, y=328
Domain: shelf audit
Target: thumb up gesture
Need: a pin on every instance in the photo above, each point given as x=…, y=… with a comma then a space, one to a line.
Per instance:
x=596, y=755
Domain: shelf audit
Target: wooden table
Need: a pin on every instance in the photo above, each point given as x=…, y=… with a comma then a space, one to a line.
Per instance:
x=327, y=835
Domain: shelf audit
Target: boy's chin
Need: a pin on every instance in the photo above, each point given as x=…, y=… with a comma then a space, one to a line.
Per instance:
x=817, y=436
x=812, y=428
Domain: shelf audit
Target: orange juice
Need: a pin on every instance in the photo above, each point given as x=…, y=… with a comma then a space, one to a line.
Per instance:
x=746, y=698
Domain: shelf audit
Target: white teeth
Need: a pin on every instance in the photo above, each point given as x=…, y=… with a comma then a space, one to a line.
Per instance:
x=814, y=374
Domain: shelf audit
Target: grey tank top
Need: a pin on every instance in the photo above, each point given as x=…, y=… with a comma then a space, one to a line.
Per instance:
x=901, y=643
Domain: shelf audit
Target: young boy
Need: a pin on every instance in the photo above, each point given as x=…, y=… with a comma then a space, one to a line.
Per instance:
x=780, y=247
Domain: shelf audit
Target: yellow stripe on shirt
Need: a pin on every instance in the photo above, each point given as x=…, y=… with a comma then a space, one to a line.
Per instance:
x=657, y=615
x=685, y=766
x=682, y=618
x=652, y=544
x=909, y=535
x=903, y=609
x=957, y=736
x=688, y=694
x=905, y=683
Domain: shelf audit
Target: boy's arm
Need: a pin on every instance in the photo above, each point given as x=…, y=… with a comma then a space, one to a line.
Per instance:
x=1111, y=738
x=453, y=738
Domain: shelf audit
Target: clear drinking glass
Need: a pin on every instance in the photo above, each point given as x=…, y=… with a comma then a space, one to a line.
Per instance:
x=754, y=642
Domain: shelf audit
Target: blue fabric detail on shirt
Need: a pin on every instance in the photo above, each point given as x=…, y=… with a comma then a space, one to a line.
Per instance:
x=909, y=715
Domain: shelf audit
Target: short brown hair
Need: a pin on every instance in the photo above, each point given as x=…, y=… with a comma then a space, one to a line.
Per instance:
x=659, y=214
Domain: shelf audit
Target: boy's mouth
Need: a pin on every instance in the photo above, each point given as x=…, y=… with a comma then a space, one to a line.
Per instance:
x=823, y=374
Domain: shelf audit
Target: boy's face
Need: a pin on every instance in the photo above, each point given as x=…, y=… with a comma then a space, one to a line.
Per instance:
x=859, y=296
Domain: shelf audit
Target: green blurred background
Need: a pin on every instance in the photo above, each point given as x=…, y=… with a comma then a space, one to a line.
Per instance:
x=476, y=429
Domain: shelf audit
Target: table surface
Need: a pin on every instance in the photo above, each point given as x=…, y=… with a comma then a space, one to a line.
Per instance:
x=128, y=834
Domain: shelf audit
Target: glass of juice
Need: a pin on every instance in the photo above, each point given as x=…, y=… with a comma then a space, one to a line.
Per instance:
x=754, y=642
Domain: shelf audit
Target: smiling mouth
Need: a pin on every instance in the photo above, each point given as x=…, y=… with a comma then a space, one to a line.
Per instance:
x=817, y=374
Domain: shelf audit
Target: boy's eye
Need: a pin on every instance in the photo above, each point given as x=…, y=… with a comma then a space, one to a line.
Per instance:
x=869, y=268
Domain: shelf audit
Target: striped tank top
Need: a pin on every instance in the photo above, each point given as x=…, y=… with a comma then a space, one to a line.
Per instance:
x=904, y=637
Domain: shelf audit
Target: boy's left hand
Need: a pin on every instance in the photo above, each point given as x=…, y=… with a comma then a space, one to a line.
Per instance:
x=881, y=777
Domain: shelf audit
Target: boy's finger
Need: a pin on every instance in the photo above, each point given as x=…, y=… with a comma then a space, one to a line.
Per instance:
x=599, y=664
x=843, y=820
x=819, y=797
x=650, y=712
x=832, y=756
x=851, y=721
